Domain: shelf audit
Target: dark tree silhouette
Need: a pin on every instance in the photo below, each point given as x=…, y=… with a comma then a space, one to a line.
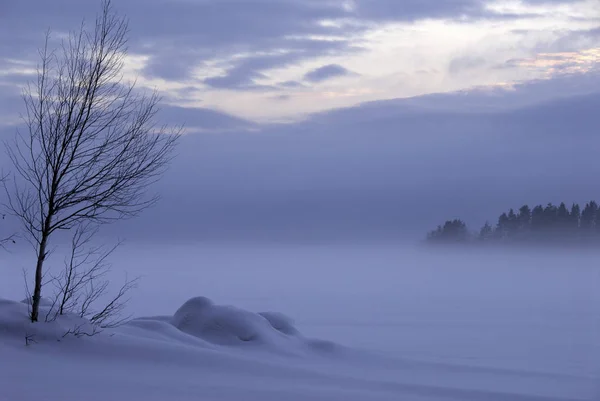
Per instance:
x=550, y=219
x=562, y=220
x=453, y=231
x=574, y=217
x=588, y=220
x=549, y=224
x=537, y=219
x=524, y=222
x=486, y=233
x=512, y=224
x=502, y=228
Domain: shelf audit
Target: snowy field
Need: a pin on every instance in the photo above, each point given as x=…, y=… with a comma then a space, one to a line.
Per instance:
x=374, y=323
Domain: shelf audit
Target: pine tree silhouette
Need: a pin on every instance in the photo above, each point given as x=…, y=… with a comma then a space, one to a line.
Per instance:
x=550, y=224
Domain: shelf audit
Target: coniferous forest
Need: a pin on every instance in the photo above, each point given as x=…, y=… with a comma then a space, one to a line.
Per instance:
x=548, y=224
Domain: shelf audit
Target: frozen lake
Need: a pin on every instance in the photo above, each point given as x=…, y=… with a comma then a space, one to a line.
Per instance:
x=529, y=311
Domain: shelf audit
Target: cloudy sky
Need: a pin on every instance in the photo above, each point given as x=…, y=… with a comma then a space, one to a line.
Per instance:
x=266, y=60
x=343, y=114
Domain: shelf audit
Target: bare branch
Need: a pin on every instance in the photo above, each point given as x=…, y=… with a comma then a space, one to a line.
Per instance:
x=78, y=331
x=82, y=284
x=91, y=148
x=11, y=238
x=111, y=315
x=28, y=296
x=8, y=240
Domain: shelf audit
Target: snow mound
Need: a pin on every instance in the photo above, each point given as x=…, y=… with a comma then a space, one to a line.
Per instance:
x=218, y=324
x=16, y=326
x=231, y=326
x=280, y=322
x=160, y=328
x=198, y=322
x=44, y=302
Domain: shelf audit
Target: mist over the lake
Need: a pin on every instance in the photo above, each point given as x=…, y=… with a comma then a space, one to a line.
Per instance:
x=387, y=177
x=369, y=200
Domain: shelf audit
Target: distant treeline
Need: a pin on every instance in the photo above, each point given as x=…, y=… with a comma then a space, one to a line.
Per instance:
x=540, y=224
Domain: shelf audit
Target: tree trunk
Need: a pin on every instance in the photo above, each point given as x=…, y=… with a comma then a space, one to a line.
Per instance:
x=37, y=292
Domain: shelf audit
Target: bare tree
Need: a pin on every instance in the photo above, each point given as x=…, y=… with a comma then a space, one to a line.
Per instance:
x=91, y=147
x=83, y=282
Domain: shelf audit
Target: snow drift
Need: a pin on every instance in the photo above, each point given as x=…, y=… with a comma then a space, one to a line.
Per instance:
x=197, y=322
x=231, y=326
x=209, y=351
x=16, y=327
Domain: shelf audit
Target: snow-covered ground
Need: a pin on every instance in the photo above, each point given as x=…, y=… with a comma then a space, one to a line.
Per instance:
x=371, y=323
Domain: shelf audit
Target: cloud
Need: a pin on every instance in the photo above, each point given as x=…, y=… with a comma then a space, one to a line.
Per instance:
x=233, y=51
x=410, y=10
x=234, y=27
x=181, y=34
x=238, y=79
x=290, y=84
x=245, y=72
x=552, y=2
x=575, y=40
x=465, y=63
x=217, y=28
x=203, y=120
x=327, y=72
x=552, y=64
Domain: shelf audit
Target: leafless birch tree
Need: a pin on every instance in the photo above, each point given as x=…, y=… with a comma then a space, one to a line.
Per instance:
x=91, y=146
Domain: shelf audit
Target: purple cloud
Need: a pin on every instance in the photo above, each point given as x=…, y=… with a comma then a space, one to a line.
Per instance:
x=327, y=72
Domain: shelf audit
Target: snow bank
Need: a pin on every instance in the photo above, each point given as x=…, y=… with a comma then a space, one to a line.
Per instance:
x=220, y=324
x=231, y=326
x=15, y=325
x=280, y=322
x=44, y=302
x=198, y=322
x=200, y=353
